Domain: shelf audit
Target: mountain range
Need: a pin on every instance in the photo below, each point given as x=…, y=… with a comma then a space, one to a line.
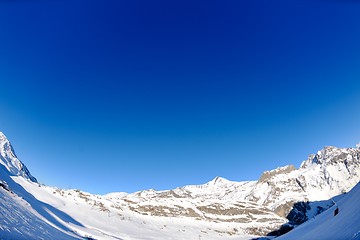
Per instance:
x=296, y=203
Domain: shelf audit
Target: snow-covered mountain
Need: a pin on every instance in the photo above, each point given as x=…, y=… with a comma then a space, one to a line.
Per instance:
x=219, y=209
x=10, y=161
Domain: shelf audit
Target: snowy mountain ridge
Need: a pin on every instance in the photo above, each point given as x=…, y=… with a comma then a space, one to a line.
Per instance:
x=277, y=191
x=219, y=209
x=9, y=159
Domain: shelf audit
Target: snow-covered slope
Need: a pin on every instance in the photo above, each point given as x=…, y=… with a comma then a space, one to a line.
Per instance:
x=24, y=217
x=219, y=209
x=345, y=225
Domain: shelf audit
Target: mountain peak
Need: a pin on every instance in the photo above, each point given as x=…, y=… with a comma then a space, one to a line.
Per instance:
x=10, y=161
x=218, y=180
x=2, y=136
x=331, y=155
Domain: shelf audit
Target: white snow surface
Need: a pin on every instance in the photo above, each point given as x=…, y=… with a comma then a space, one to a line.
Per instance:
x=219, y=209
x=345, y=225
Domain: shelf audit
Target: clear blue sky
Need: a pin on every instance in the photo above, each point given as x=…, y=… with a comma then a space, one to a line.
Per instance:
x=128, y=95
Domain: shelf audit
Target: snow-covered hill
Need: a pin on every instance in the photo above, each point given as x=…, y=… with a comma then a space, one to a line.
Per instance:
x=219, y=209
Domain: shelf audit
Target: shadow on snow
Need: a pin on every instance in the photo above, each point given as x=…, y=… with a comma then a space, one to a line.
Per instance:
x=45, y=210
x=298, y=215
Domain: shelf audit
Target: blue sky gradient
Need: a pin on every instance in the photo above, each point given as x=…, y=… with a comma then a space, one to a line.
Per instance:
x=129, y=95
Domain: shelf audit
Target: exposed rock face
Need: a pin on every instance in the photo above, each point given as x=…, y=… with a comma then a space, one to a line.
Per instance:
x=269, y=174
x=297, y=214
x=332, y=156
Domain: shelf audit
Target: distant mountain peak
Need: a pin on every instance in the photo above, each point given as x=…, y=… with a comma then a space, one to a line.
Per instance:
x=218, y=180
x=10, y=161
x=2, y=136
x=331, y=155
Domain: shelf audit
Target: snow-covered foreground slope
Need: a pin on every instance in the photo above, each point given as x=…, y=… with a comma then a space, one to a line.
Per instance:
x=345, y=225
x=25, y=217
x=102, y=218
x=219, y=209
x=72, y=213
